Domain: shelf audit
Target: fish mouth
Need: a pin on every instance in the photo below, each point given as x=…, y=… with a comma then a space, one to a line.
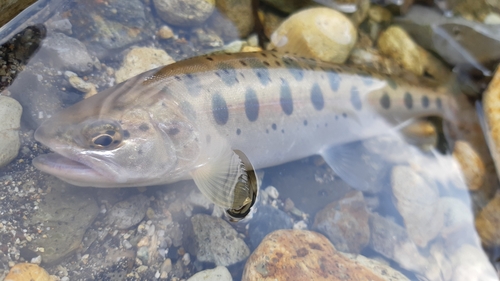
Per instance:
x=69, y=170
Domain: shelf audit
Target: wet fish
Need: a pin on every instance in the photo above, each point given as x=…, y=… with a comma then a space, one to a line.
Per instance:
x=199, y=118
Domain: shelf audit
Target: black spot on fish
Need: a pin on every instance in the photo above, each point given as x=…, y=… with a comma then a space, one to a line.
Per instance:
x=273, y=126
x=425, y=102
x=144, y=127
x=229, y=77
x=385, y=101
x=238, y=131
x=274, y=56
x=251, y=105
x=305, y=122
x=317, y=97
x=355, y=98
x=392, y=84
x=344, y=115
x=294, y=68
x=219, y=109
x=243, y=63
x=286, y=100
x=188, y=110
x=277, y=63
x=177, y=78
x=282, y=131
x=408, y=100
x=193, y=85
x=264, y=55
x=126, y=134
x=266, y=63
x=267, y=131
x=334, y=79
x=173, y=131
x=208, y=138
x=261, y=71
x=439, y=103
x=210, y=59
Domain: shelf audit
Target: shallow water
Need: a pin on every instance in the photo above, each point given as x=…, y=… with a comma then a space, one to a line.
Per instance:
x=423, y=230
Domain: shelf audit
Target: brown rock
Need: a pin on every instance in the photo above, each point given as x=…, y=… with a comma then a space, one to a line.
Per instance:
x=488, y=223
x=27, y=271
x=321, y=33
x=345, y=223
x=165, y=32
x=302, y=255
x=394, y=42
x=10, y=9
x=472, y=165
x=139, y=60
x=239, y=12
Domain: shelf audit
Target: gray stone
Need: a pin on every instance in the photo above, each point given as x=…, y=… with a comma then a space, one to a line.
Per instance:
x=266, y=220
x=10, y=114
x=219, y=273
x=65, y=53
x=66, y=213
x=345, y=223
x=184, y=12
x=128, y=212
x=214, y=240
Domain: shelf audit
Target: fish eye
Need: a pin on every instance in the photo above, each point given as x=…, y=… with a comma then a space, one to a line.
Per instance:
x=103, y=140
x=103, y=134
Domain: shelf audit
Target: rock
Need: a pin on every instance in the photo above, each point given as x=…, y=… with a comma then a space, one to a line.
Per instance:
x=82, y=86
x=239, y=13
x=214, y=240
x=250, y=49
x=345, y=223
x=129, y=212
x=471, y=264
x=491, y=115
x=457, y=217
x=379, y=14
x=361, y=7
x=417, y=200
x=27, y=271
x=287, y=6
x=391, y=240
x=384, y=271
x=66, y=213
x=10, y=114
x=139, y=60
x=488, y=222
x=321, y=33
x=472, y=165
x=302, y=255
x=270, y=20
x=65, y=53
x=233, y=47
x=184, y=12
x=59, y=24
x=208, y=38
x=219, y=273
x=266, y=219
x=165, y=32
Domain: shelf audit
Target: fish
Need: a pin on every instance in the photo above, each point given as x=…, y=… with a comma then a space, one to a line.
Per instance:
x=217, y=118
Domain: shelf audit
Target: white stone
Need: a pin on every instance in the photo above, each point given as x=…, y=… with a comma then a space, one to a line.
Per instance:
x=219, y=273
x=10, y=114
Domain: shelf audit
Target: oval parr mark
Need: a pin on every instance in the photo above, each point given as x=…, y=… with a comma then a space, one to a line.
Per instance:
x=193, y=85
x=317, y=97
x=334, y=79
x=305, y=122
x=355, y=98
x=425, y=102
x=274, y=126
x=294, y=68
x=408, y=100
x=439, y=103
x=385, y=101
x=219, y=109
x=251, y=105
x=286, y=100
x=238, y=131
x=261, y=71
x=228, y=75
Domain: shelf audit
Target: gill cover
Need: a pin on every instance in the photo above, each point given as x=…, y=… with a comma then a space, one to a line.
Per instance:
x=229, y=181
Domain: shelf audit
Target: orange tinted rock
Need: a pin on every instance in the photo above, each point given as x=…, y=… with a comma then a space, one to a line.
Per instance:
x=302, y=255
x=488, y=223
x=27, y=271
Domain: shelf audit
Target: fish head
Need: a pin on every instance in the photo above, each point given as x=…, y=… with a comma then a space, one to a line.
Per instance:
x=103, y=143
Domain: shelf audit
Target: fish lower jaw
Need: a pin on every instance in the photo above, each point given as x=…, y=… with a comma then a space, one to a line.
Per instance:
x=71, y=171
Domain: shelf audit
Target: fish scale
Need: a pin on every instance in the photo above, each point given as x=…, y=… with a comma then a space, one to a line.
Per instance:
x=189, y=119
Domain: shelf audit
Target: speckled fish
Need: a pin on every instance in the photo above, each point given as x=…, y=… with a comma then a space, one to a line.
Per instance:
x=199, y=118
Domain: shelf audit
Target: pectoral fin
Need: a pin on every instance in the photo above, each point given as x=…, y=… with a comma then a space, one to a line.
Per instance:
x=229, y=181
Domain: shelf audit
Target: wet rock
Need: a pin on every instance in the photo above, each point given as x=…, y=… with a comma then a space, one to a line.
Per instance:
x=65, y=53
x=345, y=223
x=66, y=213
x=491, y=115
x=59, y=24
x=129, y=212
x=457, y=218
x=471, y=264
x=417, y=200
x=361, y=10
x=214, y=240
x=265, y=220
x=391, y=240
x=239, y=13
x=27, y=271
x=379, y=14
x=139, y=60
x=270, y=20
x=488, y=223
x=302, y=255
x=321, y=33
x=472, y=165
x=219, y=273
x=10, y=114
x=165, y=32
x=80, y=84
x=384, y=271
x=184, y=13
x=287, y=6
x=208, y=38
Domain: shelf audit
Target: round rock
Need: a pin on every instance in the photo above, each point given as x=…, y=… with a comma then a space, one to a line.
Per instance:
x=184, y=12
x=139, y=60
x=10, y=114
x=27, y=271
x=321, y=33
x=129, y=212
x=219, y=273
